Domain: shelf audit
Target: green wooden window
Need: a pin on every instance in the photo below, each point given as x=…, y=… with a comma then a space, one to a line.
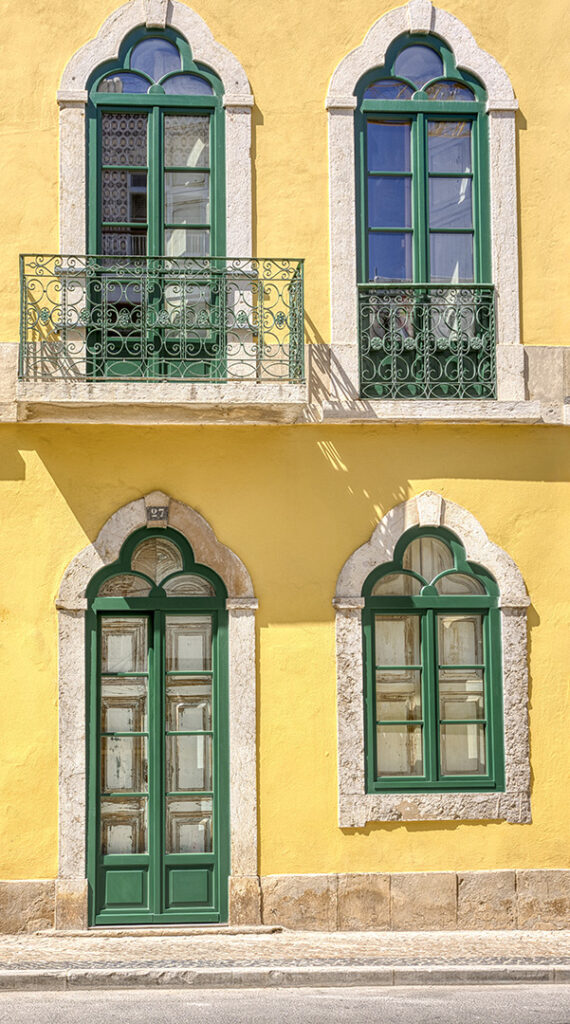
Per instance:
x=156, y=152
x=433, y=693
x=423, y=181
x=158, y=788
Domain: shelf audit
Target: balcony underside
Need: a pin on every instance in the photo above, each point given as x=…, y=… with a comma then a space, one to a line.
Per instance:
x=159, y=402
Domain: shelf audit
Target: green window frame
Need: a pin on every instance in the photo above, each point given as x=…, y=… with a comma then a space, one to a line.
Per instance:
x=156, y=104
x=411, y=716
x=418, y=111
x=158, y=882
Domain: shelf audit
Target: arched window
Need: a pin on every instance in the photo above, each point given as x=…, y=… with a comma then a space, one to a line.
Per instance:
x=158, y=786
x=156, y=152
x=428, y=308
x=423, y=212
x=432, y=670
x=432, y=616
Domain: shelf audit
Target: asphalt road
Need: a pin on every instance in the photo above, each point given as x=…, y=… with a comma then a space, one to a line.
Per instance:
x=486, y=1004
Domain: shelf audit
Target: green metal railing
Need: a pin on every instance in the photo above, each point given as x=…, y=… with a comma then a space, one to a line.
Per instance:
x=427, y=341
x=161, y=318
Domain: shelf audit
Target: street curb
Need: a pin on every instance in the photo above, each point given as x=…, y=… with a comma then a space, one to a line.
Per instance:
x=281, y=977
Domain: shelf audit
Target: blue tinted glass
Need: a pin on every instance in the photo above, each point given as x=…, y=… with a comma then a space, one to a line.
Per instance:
x=449, y=146
x=388, y=89
x=388, y=146
x=451, y=258
x=450, y=91
x=450, y=203
x=390, y=257
x=389, y=202
x=418, y=63
x=123, y=81
x=156, y=57
x=187, y=85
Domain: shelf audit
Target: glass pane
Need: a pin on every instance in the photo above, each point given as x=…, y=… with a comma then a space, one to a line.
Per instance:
x=396, y=583
x=187, y=85
x=449, y=146
x=461, y=693
x=156, y=57
x=390, y=202
x=458, y=583
x=390, y=257
x=186, y=197
x=157, y=558
x=451, y=257
x=123, y=139
x=399, y=750
x=388, y=145
x=427, y=556
x=398, y=695
x=188, y=643
x=123, y=82
x=188, y=825
x=186, y=141
x=123, y=645
x=188, y=704
x=188, y=586
x=460, y=639
x=188, y=762
x=123, y=705
x=419, y=64
x=124, y=764
x=123, y=195
x=123, y=242
x=124, y=585
x=123, y=825
x=450, y=203
x=463, y=750
x=186, y=243
x=450, y=91
x=397, y=639
x=388, y=89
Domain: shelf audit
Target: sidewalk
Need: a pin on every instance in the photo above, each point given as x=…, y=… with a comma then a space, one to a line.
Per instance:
x=261, y=957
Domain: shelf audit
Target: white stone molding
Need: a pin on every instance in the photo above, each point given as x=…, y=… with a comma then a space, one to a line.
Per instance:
x=241, y=605
x=422, y=16
x=238, y=102
x=356, y=806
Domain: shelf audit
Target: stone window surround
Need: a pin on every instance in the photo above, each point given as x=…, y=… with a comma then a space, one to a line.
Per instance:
x=420, y=16
x=356, y=806
x=71, y=604
x=72, y=98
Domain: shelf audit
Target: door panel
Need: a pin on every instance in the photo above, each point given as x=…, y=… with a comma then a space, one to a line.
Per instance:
x=162, y=829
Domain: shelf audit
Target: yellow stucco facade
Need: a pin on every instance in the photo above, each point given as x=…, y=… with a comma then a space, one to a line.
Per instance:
x=293, y=501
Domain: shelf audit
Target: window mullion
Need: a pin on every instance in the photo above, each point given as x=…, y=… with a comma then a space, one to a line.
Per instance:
x=429, y=659
x=155, y=183
x=420, y=189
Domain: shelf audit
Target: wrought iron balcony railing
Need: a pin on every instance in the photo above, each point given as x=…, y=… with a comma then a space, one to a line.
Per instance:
x=427, y=341
x=149, y=318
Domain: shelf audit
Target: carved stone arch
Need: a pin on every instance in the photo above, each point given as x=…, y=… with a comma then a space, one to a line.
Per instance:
x=356, y=806
x=420, y=16
x=72, y=97
x=155, y=509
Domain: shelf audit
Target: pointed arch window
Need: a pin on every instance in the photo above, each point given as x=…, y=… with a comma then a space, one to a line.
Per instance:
x=432, y=670
x=424, y=237
x=156, y=152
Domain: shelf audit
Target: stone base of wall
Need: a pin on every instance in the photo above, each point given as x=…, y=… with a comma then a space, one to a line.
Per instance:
x=414, y=901
x=422, y=901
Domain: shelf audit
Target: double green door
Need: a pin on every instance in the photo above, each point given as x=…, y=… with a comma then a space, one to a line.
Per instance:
x=158, y=842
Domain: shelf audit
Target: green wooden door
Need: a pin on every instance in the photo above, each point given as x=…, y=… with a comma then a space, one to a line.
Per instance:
x=159, y=820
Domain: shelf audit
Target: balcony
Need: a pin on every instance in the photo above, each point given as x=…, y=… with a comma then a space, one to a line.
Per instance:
x=221, y=337
x=427, y=341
